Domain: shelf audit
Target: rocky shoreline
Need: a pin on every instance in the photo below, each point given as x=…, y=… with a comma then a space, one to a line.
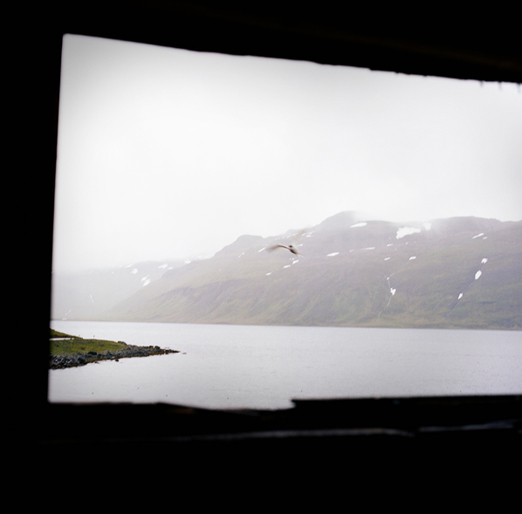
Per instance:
x=81, y=359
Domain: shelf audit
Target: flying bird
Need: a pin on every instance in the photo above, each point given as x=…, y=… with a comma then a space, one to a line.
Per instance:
x=291, y=248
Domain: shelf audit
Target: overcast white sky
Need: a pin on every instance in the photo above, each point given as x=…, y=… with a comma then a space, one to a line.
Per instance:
x=166, y=153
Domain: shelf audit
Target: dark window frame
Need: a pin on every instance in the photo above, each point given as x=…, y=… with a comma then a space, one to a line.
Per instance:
x=485, y=52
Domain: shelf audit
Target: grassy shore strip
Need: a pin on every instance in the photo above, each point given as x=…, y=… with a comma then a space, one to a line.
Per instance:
x=68, y=351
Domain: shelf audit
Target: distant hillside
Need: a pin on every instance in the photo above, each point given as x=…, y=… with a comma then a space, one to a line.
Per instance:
x=88, y=295
x=455, y=273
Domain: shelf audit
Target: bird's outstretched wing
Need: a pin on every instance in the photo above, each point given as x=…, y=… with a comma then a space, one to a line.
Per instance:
x=289, y=248
x=274, y=247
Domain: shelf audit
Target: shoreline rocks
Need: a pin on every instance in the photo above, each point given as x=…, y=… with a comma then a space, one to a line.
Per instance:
x=81, y=359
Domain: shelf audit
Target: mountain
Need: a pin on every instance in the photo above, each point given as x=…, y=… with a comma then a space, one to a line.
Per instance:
x=456, y=273
x=88, y=295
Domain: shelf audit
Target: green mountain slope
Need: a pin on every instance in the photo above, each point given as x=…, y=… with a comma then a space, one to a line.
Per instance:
x=457, y=272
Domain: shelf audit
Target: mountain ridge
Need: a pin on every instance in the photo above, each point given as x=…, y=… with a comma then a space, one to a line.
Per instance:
x=461, y=272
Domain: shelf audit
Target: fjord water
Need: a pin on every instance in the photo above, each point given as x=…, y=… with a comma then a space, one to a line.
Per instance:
x=265, y=367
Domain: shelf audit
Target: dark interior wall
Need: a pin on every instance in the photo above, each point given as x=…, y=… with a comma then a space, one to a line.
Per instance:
x=429, y=40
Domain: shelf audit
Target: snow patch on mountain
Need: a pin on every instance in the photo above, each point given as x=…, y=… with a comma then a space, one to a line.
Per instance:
x=406, y=231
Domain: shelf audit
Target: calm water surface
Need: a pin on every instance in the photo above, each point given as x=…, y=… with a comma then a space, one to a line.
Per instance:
x=234, y=366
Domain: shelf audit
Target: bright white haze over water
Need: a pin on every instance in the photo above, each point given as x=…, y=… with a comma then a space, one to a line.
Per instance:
x=166, y=153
